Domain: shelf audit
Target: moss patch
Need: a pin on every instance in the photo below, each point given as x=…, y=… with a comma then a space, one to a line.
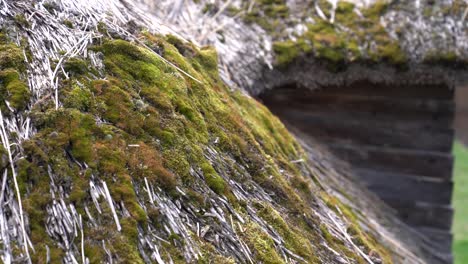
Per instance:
x=294, y=239
x=350, y=39
x=263, y=245
x=364, y=240
x=11, y=57
x=268, y=14
x=13, y=89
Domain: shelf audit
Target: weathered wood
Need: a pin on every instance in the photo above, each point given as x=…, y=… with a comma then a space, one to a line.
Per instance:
x=397, y=139
x=433, y=111
x=406, y=187
x=461, y=120
x=344, y=128
x=430, y=164
x=439, y=92
x=423, y=214
x=441, y=239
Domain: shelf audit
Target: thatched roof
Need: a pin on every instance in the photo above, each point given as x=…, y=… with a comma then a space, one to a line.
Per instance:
x=318, y=42
x=122, y=143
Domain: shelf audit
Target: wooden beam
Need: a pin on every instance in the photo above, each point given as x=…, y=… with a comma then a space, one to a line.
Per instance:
x=439, y=92
x=430, y=164
x=441, y=239
x=434, y=111
x=423, y=214
x=406, y=187
x=343, y=128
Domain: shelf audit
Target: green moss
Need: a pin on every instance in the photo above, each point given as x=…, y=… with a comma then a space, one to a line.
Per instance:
x=210, y=255
x=126, y=248
x=185, y=48
x=285, y=52
x=293, y=239
x=338, y=46
x=68, y=23
x=391, y=53
x=11, y=57
x=276, y=9
x=268, y=14
x=76, y=66
x=325, y=6
x=344, y=8
x=50, y=6
x=73, y=130
x=448, y=59
x=79, y=98
x=340, y=246
x=21, y=20
x=3, y=157
x=176, y=160
x=36, y=196
x=207, y=58
x=209, y=8
x=333, y=55
x=94, y=253
x=147, y=121
x=78, y=193
x=146, y=162
x=185, y=110
x=325, y=42
x=454, y=8
x=14, y=90
x=427, y=12
x=214, y=181
x=354, y=50
x=377, y=9
x=326, y=234
x=364, y=240
x=262, y=244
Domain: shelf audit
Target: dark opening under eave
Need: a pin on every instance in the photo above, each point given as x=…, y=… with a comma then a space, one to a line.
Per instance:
x=397, y=139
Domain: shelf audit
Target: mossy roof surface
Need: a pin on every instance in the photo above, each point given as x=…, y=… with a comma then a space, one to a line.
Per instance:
x=341, y=32
x=138, y=143
x=140, y=123
x=357, y=39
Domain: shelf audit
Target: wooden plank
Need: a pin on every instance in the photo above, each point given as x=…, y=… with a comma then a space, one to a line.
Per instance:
x=440, y=257
x=406, y=187
x=439, y=92
x=441, y=239
x=397, y=134
x=435, y=111
x=430, y=164
x=423, y=214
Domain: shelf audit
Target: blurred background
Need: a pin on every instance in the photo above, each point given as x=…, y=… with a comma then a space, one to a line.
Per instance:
x=460, y=195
